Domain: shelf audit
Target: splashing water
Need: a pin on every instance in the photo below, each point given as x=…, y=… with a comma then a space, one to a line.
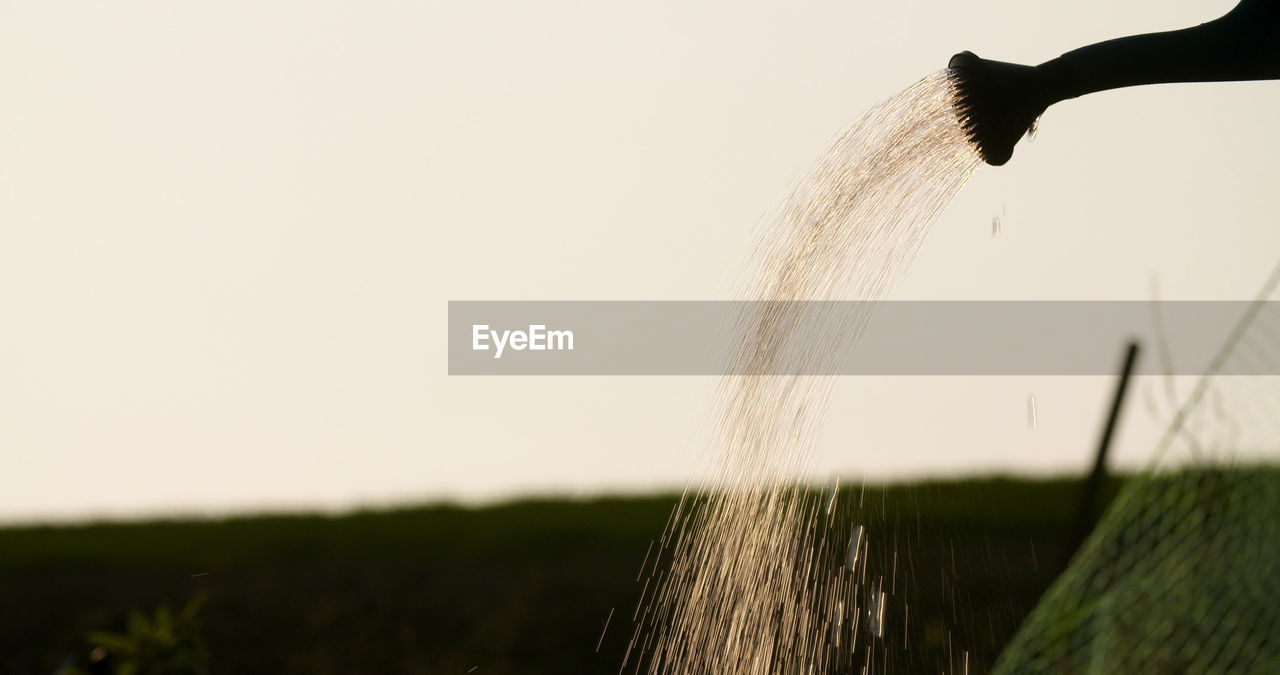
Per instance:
x=748, y=582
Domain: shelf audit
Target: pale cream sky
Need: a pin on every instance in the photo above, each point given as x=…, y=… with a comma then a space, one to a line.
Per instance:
x=228, y=232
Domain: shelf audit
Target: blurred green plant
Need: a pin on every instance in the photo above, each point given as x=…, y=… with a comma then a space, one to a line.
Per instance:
x=165, y=643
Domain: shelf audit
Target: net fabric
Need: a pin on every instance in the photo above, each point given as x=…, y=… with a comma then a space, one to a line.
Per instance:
x=1182, y=575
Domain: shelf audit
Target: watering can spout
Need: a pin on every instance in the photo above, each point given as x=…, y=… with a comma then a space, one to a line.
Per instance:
x=1000, y=101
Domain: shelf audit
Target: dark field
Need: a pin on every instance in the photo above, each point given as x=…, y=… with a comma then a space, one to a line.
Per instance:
x=522, y=587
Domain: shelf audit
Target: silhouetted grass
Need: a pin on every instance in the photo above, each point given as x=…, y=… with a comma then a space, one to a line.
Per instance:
x=520, y=587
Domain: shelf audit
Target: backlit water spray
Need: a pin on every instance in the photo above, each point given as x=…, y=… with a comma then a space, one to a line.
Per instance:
x=748, y=580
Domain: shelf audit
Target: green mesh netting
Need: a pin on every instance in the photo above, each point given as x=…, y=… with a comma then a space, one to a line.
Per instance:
x=1180, y=577
x=1182, y=574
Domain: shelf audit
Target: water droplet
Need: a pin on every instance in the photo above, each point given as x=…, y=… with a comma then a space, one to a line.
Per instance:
x=855, y=548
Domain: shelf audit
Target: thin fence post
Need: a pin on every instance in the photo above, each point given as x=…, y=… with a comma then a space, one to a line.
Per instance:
x=1094, y=484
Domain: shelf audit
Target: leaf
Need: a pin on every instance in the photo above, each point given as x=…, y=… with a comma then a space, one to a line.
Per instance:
x=112, y=641
x=193, y=607
x=164, y=618
x=138, y=624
